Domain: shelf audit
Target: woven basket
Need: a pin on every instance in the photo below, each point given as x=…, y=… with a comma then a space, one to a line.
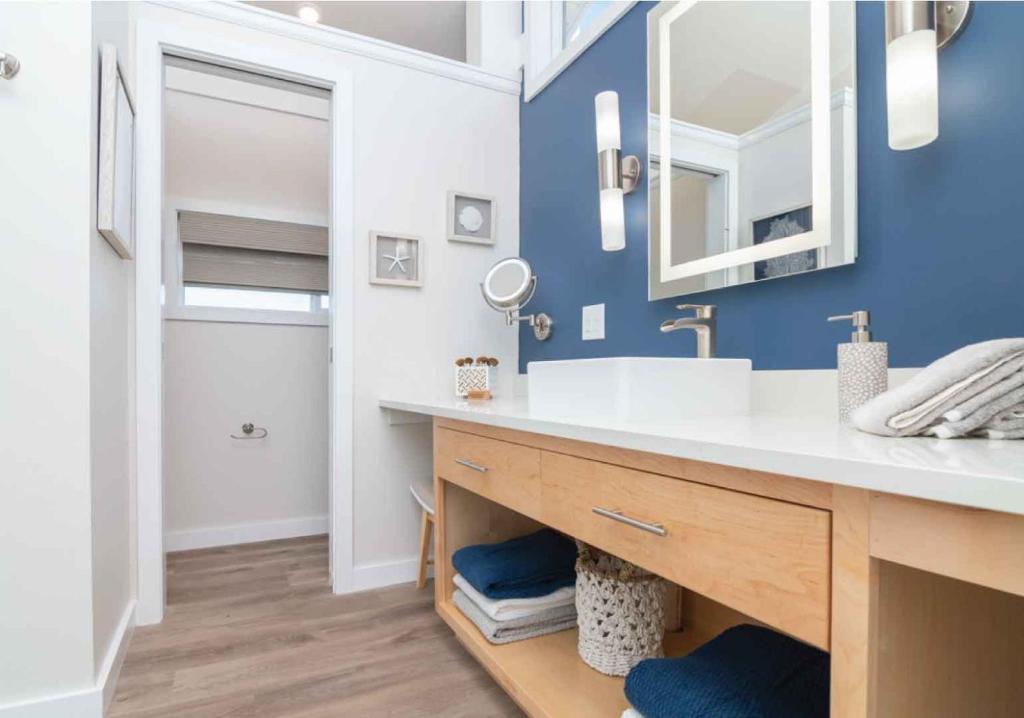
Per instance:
x=621, y=612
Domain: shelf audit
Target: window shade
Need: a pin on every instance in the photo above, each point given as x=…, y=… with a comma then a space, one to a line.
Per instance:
x=221, y=230
x=241, y=251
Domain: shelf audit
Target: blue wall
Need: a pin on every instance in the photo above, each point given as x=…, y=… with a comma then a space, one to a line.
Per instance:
x=941, y=240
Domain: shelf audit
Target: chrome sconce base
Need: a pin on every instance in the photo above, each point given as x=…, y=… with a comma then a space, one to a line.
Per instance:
x=617, y=172
x=948, y=18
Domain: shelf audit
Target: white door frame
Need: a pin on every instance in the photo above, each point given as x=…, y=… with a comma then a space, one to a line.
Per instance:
x=153, y=41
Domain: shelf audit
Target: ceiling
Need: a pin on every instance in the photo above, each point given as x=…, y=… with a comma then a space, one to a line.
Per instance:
x=437, y=27
x=265, y=151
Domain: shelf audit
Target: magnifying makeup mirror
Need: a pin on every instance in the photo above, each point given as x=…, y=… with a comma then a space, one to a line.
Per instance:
x=507, y=287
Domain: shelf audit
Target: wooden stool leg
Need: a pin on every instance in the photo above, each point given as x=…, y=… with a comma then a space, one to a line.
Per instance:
x=425, y=526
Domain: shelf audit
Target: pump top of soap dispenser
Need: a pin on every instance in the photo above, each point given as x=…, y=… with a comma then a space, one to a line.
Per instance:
x=861, y=319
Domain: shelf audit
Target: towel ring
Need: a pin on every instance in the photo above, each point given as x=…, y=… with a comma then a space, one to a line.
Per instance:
x=248, y=429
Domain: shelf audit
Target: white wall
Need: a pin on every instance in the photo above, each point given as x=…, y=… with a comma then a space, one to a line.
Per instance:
x=46, y=622
x=216, y=377
x=416, y=136
x=112, y=374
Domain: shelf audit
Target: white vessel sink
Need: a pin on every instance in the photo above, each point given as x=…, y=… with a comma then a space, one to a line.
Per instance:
x=645, y=389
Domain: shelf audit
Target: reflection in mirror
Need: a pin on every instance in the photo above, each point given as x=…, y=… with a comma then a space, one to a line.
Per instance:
x=734, y=113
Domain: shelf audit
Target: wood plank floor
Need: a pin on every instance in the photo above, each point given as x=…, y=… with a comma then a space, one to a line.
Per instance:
x=254, y=631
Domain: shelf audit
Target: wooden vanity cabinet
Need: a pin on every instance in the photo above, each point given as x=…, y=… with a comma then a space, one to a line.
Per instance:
x=744, y=546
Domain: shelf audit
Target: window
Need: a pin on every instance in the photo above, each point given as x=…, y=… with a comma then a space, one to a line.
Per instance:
x=558, y=31
x=243, y=263
x=576, y=17
x=198, y=295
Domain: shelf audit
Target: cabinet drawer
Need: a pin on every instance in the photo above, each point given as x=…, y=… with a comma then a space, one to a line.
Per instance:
x=768, y=559
x=506, y=473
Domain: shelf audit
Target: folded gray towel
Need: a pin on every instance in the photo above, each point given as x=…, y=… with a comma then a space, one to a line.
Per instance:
x=984, y=399
x=978, y=418
x=943, y=385
x=996, y=434
x=550, y=620
x=1009, y=420
x=1015, y=425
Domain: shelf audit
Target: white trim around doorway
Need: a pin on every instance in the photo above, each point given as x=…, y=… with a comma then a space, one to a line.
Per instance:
x=153, y=41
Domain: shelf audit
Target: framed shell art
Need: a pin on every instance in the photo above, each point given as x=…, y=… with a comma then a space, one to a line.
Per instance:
x=396, y=259
x=471, y=218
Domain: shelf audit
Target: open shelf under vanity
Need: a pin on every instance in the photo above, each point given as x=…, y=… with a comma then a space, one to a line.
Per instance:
x=746, y=547
x=546, y=676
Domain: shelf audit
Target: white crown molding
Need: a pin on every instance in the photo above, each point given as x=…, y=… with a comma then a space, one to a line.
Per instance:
x=344, y=41
x=698, y=133
x=844, y=97
x=238, y=92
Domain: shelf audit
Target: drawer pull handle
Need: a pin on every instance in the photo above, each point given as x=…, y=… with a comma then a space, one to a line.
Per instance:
x=656, y=529
x=471, y=465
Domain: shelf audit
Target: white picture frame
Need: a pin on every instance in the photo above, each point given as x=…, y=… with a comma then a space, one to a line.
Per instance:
x=481, y=224
x=396, y=274
x=115, y=192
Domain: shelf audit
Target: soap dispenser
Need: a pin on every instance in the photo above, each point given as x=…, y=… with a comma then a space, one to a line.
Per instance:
x=863, y=366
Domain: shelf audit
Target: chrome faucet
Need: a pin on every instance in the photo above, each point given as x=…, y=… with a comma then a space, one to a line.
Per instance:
x=702, y=322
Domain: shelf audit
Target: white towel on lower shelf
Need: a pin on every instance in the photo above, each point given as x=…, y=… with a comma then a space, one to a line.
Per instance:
x=506, y=609
x=631, y=712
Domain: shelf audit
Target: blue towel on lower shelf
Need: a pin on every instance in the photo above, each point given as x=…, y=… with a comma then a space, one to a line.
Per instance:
x=746, y=672
x=524, y=567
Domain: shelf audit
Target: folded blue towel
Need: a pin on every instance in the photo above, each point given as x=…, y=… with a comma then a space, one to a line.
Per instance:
x=524, y=567
x=746, y=672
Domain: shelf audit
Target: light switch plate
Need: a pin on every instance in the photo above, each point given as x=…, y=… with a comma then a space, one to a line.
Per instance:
x=593, y=322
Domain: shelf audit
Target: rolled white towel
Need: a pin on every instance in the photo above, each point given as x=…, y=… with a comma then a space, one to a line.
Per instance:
x=507, y=609
x=631, y=712
x=945, y=384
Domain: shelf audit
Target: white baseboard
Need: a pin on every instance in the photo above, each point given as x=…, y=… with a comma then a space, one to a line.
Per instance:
x=387, y=573
x=244, y=533
x=110, y=671
x=83, y=704
x=91, y=702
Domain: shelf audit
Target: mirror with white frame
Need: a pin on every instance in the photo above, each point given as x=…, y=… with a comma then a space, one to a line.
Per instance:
x=752, y=103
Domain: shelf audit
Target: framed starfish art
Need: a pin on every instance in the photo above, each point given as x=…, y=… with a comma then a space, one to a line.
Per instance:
x=396, y=259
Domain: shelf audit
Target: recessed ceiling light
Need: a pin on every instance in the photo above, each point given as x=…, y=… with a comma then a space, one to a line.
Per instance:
x=310, y=13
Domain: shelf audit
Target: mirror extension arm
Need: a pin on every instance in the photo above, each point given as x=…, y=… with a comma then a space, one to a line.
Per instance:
x=540, y=322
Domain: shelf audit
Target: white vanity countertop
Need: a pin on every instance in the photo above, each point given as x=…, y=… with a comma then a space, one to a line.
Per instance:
x=980, y=473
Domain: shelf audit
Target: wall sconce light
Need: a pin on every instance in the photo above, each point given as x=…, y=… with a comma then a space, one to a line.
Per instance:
x=915, y=31
x=617, y=176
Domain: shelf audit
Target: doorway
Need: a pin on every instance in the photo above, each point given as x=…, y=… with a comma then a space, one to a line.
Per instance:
x=243, y=301
x=246, y=306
